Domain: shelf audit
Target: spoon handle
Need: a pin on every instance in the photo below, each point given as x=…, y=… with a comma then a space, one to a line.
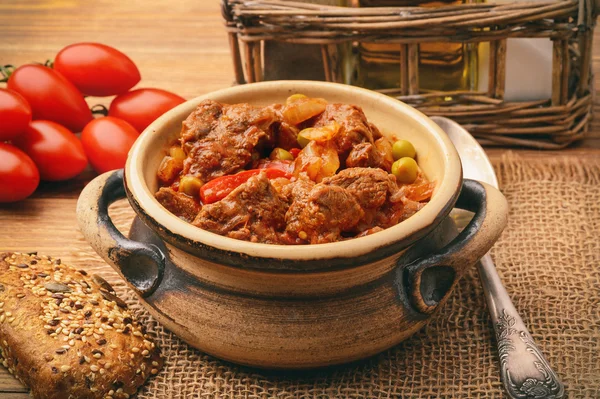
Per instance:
x=524, y=370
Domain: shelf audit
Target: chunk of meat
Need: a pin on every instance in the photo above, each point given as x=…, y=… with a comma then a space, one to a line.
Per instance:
x=254, y=211
x=391, y=213
x=383, y=203
x=354, y=127
x=279, y=183
x=178, y=203
x=367, y=155
x=286, y=134
x=201, y=121
x=364, y=155
x=402, y=203
x=323, y=215
x=375, y=130
x=371, y=187
x=219, y=139
x=298, y=189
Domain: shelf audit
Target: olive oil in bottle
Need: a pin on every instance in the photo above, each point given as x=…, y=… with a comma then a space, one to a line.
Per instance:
x=293, y=61
x=378, y=65
x=444, y=66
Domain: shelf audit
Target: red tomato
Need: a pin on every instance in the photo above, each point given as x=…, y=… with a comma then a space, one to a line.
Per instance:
x=56, y=151
x=96, y=69
x=107, y=141
x=19, y=176
x=51, y=96
x=141, y=107
x=217, y=189
x=15, y=114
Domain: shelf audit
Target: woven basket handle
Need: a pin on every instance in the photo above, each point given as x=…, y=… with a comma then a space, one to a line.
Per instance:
x=431, y=279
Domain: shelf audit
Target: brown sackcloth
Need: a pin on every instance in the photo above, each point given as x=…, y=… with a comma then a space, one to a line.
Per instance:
x=549, y=260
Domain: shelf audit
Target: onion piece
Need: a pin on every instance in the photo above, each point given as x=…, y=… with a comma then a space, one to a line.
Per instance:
x=419, y=191
x=317, y=160
x=302, y=109
x=322, y=133
x=294, y=97
x=384, y=147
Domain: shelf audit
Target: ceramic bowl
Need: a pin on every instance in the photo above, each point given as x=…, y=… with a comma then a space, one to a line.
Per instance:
x=280, y=306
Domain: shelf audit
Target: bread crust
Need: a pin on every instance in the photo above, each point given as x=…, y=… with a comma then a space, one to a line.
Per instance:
x=66, y=334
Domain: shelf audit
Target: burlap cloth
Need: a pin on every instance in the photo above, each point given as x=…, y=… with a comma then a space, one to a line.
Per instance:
x=549, y=260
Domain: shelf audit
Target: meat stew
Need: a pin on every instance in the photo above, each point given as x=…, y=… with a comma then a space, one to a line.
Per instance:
x=303, y=172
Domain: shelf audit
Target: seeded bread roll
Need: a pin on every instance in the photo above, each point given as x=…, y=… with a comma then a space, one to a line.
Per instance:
x=65, y=334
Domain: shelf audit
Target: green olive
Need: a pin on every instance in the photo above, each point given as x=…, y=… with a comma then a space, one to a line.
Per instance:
x=281, y=155
x=405, y=169
x=190, y=185
x=403, y=148
x=302, y=140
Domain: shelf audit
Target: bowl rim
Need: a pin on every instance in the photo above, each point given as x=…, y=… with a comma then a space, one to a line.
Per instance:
x=406, y=232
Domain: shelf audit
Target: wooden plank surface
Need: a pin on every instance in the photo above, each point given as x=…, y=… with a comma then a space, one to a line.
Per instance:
x=15, y=395
x=179, y=46
x=9, y=384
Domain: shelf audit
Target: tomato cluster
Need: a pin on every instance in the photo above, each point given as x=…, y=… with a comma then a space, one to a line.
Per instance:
x=43, y=106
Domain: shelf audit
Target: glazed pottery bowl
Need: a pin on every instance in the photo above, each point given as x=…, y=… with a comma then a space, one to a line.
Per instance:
x=304, y=306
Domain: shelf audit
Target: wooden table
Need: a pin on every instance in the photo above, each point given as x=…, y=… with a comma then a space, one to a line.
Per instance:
x=179, y=46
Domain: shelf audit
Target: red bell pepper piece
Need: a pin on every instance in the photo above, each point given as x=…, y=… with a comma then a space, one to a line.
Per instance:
x=284, y=166
x=295, y=152
x=217, y=189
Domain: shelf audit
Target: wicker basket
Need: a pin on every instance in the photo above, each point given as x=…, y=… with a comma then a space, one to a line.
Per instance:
x=546, y=124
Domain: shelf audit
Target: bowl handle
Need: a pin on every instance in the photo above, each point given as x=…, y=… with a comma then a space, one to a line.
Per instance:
x=430, y=280
x=141, y=265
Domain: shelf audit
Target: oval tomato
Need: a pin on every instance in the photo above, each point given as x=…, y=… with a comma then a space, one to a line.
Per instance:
x=51, y=96
x=19, y=176
x=96, y=69
x=15, y=114
x=107, y=141
x=56, y=151
x=141, y=107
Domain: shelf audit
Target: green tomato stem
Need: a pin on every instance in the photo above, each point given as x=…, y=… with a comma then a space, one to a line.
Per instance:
x=6, y=71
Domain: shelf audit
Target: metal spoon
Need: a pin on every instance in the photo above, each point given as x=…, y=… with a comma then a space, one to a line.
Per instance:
x=524, y=370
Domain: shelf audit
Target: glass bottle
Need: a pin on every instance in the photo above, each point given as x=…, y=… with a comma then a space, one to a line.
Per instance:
x=444, y=66
x=293, y=61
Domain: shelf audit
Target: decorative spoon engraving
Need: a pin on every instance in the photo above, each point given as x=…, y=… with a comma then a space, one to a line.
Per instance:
x=524, y=370
x=548, y=386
